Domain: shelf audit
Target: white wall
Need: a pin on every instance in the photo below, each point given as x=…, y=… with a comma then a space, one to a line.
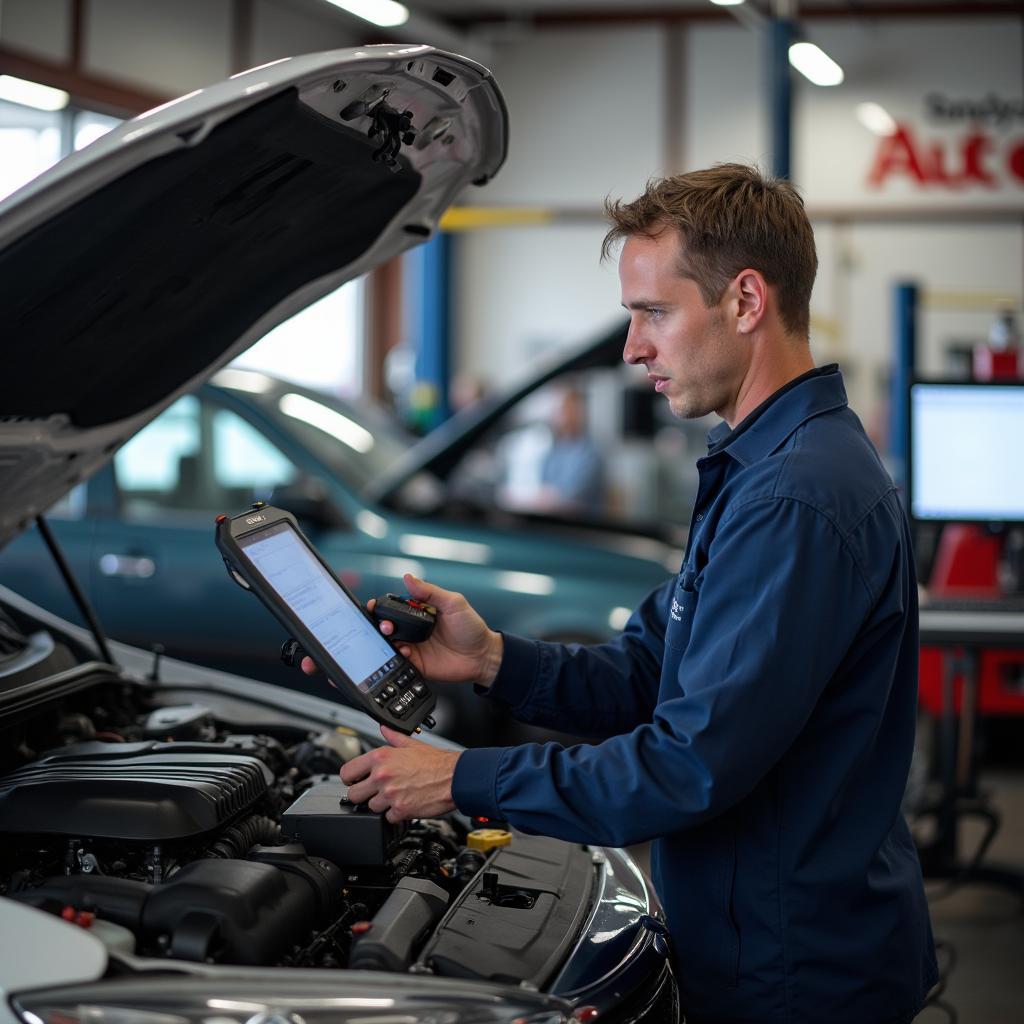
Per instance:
x=725, y=113
x=586, y=121
x=169, y=48
x=524, y=291
x=585, y=110
x=280, y=31
x=41, y=28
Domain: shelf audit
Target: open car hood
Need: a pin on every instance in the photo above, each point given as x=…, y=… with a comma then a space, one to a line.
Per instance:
x=133, y=269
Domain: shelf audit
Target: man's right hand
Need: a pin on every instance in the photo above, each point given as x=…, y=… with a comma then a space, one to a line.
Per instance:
x=461, y=648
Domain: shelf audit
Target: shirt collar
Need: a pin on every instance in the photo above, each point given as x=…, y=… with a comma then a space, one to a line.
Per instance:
x=763, y=430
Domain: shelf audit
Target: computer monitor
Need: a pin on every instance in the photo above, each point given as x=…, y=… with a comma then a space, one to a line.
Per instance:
x=966, y=461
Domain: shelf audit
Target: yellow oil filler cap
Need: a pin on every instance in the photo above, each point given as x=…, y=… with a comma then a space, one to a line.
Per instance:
x=485, y=839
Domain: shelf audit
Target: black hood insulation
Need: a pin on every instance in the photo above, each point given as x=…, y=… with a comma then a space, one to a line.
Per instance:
x=119, y=300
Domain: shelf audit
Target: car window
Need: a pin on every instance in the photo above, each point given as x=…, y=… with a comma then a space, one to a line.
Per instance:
x=197, y=459
x=244, y=458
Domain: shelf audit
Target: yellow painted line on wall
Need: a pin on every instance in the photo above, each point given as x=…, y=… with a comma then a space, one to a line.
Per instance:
x=475, y=218
x=986, y=302
x=827, y=325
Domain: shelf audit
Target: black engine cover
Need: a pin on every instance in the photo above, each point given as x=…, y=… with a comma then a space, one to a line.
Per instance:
x=230, y=911
x=137, y=792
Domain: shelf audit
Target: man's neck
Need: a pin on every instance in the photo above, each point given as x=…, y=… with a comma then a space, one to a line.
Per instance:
x=773, y=365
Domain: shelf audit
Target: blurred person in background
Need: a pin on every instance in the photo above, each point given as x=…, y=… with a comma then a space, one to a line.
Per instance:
x=572, y=470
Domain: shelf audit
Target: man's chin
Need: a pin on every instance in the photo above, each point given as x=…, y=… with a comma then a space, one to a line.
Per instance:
x=687, y=407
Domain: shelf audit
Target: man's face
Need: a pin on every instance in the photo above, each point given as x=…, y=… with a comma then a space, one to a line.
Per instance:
x=690, y=354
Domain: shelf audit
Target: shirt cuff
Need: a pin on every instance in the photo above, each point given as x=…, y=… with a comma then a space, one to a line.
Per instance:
x=475, y=780
x=518, y=671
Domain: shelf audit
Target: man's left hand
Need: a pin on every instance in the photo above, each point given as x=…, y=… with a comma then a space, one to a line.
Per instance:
x=406, y=779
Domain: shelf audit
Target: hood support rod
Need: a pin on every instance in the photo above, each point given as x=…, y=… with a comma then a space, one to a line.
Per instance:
x=76, y=591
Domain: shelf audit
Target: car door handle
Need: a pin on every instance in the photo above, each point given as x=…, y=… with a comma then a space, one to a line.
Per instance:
x=136, y=567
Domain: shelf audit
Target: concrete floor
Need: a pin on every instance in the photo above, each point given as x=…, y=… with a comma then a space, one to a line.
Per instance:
x=983, y=924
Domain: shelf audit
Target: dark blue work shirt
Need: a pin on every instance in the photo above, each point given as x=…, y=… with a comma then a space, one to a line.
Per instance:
x=757, y=719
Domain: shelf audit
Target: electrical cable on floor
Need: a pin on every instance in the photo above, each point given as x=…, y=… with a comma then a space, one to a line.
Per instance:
x=980, y=809
x=946, y=954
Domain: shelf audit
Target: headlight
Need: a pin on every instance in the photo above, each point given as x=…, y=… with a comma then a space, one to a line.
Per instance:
x=357, y=998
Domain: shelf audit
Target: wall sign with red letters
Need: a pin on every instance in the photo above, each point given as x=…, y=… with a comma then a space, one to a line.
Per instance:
x=965, y=145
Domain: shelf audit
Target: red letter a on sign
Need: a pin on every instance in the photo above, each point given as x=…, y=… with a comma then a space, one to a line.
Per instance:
x=896, y=155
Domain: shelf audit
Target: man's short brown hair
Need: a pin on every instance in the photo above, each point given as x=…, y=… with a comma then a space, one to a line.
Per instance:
x=730, y=217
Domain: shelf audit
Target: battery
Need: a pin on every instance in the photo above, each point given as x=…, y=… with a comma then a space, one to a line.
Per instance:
x=347, y=834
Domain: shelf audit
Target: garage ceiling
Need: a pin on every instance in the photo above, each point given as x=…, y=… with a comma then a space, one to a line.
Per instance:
x=470, y=10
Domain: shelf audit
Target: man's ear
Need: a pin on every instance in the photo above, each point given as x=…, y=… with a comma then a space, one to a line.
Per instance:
x=751, y=294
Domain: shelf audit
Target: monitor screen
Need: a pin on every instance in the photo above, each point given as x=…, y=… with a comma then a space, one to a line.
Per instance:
x=320, y=603
x=967, y=452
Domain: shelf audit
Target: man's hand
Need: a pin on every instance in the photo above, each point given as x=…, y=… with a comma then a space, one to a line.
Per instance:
x=461, y=649
x=407, y=779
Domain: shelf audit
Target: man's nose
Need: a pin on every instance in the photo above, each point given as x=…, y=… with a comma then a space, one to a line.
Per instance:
x=636, y=350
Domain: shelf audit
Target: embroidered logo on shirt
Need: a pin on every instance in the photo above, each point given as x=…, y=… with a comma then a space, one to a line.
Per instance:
x=677, y=609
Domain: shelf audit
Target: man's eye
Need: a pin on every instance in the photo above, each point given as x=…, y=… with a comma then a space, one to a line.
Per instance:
x=654, y=313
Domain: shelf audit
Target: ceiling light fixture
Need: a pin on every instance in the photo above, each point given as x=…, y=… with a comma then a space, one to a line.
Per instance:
x=32, y=94
x=876, y=118
x=815, y=64
x=386, y=13
x=727, y=3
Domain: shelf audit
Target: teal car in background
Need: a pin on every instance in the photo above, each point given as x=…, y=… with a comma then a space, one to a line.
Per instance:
x=139, y=534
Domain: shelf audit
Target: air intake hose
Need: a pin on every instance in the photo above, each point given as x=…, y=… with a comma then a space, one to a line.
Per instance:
x=237, y=841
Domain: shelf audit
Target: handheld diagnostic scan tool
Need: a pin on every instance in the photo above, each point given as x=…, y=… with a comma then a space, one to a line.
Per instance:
x=267, y=554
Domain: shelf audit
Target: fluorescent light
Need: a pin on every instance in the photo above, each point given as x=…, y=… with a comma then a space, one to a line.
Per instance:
x=424, y=546
x=876, y=118
x=328, y=420
x=527, y=583
x=32, y=94
x=727, y=3
x=815, y=64
x=385, y=13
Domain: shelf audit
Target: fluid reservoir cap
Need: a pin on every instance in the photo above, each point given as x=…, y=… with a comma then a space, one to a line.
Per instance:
x=485, y=839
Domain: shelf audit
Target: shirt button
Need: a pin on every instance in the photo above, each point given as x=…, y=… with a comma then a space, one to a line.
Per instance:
x=698, y=517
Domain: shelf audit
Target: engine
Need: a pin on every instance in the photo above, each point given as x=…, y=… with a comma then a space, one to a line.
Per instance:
x=175, y=837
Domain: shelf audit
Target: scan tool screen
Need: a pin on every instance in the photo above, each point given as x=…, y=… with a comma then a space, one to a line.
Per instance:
x=317, y=600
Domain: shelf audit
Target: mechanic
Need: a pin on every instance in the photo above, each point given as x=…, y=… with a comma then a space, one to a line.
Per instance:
x=757, y=713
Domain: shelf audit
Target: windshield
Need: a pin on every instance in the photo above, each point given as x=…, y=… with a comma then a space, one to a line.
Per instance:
x=356, y=441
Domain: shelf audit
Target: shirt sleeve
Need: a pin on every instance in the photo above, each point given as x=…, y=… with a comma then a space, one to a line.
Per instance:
x=779, y=603
x=596, y=690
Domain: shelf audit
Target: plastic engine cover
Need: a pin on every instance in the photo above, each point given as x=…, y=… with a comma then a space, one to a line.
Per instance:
x=137, y=792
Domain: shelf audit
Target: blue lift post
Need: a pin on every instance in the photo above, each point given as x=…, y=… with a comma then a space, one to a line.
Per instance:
x=780, y=36
x=904, y=324
x=428, y=327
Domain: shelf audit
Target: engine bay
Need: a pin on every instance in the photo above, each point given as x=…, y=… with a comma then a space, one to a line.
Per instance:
x=175, y=834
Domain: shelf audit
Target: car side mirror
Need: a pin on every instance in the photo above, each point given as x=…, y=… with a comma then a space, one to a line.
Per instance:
x=307, y=499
